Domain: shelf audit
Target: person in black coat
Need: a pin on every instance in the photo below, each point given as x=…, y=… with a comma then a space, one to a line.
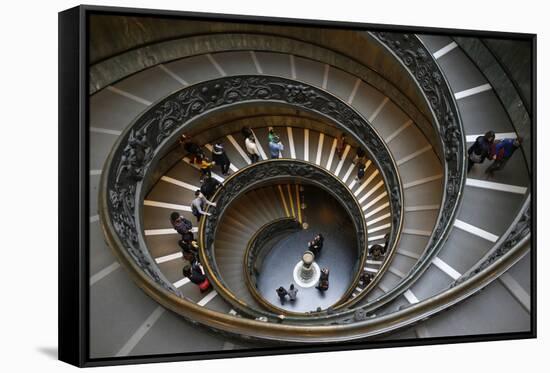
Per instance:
x=193, y=149
x=323, y=280
x=377, y=251
x=481, y=149
x=194, y=273
x=282, y=293
x=316, y=245
x=209, y=186
x=189, y=250
x=181, y=225
x=219, y=156
x=246, y=132
x=359, y=156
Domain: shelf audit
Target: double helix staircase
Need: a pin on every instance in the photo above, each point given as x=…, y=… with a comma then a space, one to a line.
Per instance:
x=488, y=206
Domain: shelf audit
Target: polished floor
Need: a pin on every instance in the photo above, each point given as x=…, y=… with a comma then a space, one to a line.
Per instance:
x=324, y=215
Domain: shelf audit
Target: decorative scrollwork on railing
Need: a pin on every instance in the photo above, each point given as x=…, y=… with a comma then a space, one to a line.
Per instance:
x=143, y=141
x=269, y=172
x=137, y=148
x=430, y=79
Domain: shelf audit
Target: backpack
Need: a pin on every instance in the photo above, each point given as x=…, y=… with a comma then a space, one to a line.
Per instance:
x=204, y=286
x=183, y=226
x=187, y=236
x=187, y=224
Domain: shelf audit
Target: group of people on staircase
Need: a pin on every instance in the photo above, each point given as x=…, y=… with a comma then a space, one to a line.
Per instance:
x=275, y=145
x=198, y=157
x=190, y=252
x=498, y=151
x=484, y=147
x=189, y=246
x=360, y=159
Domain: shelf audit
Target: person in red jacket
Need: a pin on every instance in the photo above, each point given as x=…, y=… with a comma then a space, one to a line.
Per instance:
x=194, y=273
x=501, y=152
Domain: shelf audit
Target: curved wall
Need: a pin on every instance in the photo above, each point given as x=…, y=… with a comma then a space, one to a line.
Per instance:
x=353, y=51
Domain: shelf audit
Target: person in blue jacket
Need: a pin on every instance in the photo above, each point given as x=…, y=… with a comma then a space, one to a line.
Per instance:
x=501, y=152
x=275, y=147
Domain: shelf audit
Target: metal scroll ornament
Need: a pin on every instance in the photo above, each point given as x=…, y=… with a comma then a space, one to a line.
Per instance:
x=421, y=65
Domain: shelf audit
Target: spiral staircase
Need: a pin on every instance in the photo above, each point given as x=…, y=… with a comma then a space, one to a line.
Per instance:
x=469, y=258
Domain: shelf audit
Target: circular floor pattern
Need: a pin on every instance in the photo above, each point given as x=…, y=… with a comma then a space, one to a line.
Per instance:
x=324, y=215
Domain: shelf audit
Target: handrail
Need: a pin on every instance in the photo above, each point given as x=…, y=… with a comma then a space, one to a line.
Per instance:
x=255, y=245
x=262, y=173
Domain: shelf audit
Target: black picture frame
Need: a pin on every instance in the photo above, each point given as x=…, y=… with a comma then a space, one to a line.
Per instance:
x=74, y=185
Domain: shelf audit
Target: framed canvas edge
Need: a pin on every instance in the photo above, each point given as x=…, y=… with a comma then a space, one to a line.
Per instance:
x=73, y=271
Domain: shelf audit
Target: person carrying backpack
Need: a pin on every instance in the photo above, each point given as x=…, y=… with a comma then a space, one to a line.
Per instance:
x=181, y=225
x=209, y=186
x=194, y=273
x=480, y=149
x=219, y=156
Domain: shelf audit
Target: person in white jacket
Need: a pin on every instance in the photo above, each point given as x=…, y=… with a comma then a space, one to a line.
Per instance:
x=252, y=149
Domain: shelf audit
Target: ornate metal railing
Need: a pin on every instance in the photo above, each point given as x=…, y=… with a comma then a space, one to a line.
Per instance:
x=265, y=173
x=424, y=70
x=140, y=146
x=258, y=247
